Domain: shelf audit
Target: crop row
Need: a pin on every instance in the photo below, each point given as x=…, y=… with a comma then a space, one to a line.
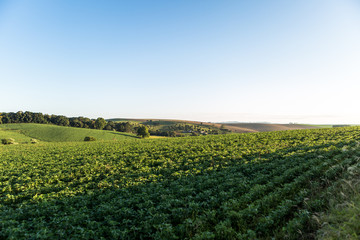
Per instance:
x=236, y=186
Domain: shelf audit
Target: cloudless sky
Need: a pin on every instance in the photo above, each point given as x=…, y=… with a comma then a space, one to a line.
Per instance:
x=275, y=61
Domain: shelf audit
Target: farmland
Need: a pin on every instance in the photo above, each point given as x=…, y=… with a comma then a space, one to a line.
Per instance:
x=53, y=133
x=267, y=127
x=234, y=186
x=165, y=125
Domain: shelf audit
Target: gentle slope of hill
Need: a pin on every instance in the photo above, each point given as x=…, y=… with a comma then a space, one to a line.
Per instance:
x=52, y=133
x=265, y=127
x=15, y=134
x=163, y=124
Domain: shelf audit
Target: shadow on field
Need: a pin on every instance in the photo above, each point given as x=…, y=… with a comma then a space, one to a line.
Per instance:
x=123, y=134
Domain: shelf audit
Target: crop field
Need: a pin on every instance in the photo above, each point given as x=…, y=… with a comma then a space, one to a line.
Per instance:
x=268, y=127
x=234, y=186
x=53, y=133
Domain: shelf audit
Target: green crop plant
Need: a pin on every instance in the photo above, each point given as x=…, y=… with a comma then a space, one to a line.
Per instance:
x=234, y=186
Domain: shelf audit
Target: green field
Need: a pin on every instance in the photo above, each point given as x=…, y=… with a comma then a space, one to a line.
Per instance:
x=319, y=125
x=15, y=134
x=235, y=186
x=52, y=133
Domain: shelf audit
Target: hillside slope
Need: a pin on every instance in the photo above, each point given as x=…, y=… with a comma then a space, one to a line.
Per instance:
x=15, y=134
x=52, y=133
x=265, y=127
x=165, y=124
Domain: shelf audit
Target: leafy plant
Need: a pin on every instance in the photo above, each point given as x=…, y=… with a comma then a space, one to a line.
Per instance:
x=234, y=186
x=89, y=138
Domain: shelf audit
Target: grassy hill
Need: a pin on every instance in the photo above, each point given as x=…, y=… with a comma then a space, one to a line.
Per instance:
x=52, y=133
x=15, y=134
x=265, y=127
x=165, y=124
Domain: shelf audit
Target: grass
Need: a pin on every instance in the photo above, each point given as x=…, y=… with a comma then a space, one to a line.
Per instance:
x=15, y=134
x=52, y=133
x=341, y=221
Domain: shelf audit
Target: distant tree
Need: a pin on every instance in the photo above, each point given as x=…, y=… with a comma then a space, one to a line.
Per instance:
x=47, y=118
x=89, y=139
x=143, y=132
x=172, y=134
x=27, y=117
x=60, y=120
x=39, y=118
x=110, y=125
x=100, y=123
x=92, y=124
x=86, y=122
x=127, y=127
x=6, y=119
x=18, y=117
x=124, y=127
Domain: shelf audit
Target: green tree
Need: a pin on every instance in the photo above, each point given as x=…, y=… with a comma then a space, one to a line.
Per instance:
x=110, y=125
x=60, y=120
x=143, y=132
x=172, y=134
x=127, y=127
x=100, y=123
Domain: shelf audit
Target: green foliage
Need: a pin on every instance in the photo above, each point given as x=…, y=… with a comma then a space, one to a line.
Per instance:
x=8, y=141
x=100, y=123
x=52, y=133
x=143, y=132
x=194, y=134
x=341, y=220
x=124, y=127
x=15, y=134
x=89, y=139
x=61, y=121
x=235, y=186
x=181, y=128
x=34, y=141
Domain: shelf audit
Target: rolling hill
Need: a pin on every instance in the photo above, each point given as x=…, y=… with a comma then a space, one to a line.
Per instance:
x=51, y=133
x=14, y=134
x=163, y=124
x=265, y=127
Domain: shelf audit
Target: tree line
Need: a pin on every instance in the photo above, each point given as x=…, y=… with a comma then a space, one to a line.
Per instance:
x=79, y=122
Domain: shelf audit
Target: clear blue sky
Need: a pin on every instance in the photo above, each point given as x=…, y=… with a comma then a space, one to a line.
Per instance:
x=276, y=61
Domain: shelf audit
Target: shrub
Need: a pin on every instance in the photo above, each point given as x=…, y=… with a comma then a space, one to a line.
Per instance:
x=143, y=132
x=89, y=138
x=34, y=141
x=8, y=141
